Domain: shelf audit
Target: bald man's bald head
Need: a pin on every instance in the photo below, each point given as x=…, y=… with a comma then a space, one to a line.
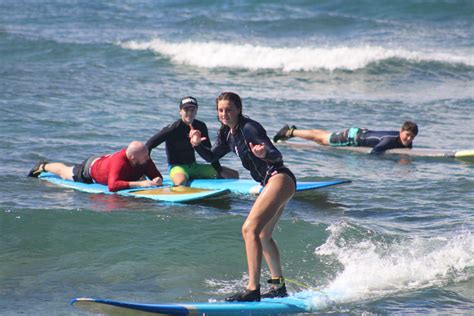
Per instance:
x=137, y=153
x=136, y=147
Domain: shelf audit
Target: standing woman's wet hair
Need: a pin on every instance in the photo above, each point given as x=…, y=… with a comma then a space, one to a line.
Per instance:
x=232, y=97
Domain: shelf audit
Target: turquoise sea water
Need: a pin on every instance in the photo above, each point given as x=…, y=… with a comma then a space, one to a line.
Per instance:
x=84, y=77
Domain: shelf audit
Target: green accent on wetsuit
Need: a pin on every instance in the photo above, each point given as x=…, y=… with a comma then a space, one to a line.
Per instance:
x=347, y=137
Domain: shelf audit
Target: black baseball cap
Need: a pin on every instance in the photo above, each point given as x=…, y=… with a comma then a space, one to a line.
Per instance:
x=188, y=101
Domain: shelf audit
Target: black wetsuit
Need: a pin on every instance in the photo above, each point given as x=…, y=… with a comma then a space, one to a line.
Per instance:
x=179, y=150
x=247, y=131
x=380, y=140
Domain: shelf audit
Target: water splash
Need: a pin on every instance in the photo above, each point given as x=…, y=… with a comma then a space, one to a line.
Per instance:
x=373, y=268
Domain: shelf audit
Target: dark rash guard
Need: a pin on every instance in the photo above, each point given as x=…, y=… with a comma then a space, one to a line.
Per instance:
x=247, y=131
x=380, y=140
x=116, y=172
x=179, y=150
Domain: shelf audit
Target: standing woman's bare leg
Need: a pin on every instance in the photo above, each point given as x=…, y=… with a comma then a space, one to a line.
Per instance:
x=270, y=248
x=266, y=211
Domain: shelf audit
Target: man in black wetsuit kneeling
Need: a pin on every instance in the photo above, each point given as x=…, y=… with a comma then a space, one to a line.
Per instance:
x=182, y=163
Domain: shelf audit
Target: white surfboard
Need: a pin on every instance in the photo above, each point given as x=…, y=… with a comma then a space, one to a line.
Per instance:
x=414, y=152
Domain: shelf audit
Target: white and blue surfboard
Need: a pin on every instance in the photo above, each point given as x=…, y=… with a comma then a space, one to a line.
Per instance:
x=274, y=306
x=247, y=186
x=166, y=193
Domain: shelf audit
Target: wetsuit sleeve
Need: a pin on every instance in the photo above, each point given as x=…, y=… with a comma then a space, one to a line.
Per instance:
x=116, y=167
x=256, y=134
x=151, y=171
x=207, y=143
x=159, y=137
x=220, y=148
x=385, y=144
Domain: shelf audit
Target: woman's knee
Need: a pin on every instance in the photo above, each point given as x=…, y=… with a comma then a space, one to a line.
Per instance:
x=250, y=230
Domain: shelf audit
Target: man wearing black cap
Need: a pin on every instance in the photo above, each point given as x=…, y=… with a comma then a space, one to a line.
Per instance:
x=180, y=152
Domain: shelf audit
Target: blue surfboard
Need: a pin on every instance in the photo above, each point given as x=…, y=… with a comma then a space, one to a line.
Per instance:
x=247, y=186
x=278, y=306
x=166, y=193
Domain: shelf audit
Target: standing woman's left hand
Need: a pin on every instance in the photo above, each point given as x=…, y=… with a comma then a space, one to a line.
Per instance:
x=195, y=136
x=258, y=150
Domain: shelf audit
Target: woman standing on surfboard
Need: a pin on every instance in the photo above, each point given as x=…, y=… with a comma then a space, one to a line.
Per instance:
x=248, y=139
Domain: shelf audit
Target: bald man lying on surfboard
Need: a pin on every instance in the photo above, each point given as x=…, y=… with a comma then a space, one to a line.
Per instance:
x=122, y=170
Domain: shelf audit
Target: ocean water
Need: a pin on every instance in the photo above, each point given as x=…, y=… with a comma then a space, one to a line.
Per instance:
x=85, y=77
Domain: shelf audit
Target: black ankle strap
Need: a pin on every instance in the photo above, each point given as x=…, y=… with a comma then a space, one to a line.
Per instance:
x=279, y=280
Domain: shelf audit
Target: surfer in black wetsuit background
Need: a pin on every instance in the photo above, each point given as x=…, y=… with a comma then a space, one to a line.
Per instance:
x=248, y=139
x=180, y=153
x=380, y=141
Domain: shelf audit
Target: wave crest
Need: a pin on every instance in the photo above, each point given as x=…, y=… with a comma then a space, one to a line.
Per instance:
x=287, y=59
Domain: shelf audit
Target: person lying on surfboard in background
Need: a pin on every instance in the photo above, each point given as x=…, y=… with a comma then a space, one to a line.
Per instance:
x=124, y=169
x=179, y=152
x=248, y=139
x=355, y=136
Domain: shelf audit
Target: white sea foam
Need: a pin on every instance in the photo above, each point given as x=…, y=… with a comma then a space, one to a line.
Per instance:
x=374, y=269
x=301, y=58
